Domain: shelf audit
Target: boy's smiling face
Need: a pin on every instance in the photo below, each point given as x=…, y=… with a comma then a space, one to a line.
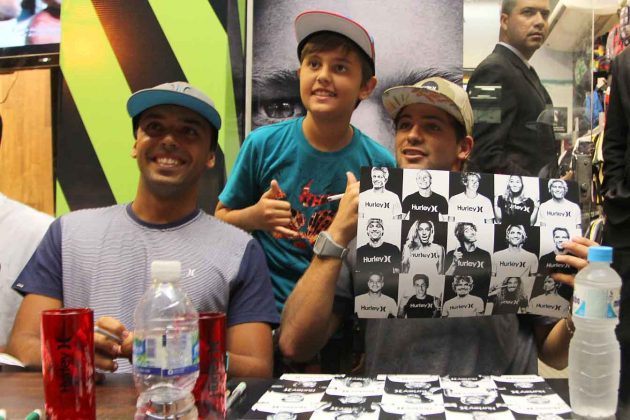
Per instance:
x=330, y=83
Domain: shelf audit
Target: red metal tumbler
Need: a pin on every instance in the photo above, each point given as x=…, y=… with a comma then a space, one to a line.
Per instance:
x=68, y=363
x=209, y=389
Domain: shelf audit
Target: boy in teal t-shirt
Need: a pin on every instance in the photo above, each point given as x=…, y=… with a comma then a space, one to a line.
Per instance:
x=285, y=172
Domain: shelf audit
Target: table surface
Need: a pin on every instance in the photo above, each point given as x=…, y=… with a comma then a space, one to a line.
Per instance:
x=22, y=392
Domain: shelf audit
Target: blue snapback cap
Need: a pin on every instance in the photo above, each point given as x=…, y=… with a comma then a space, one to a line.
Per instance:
x=174, y=93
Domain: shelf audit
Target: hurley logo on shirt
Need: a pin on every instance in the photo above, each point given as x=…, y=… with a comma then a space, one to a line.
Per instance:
x=420, y=254
x=471, y=264
x=373, y=308
x=548, y=306
x=463, y=306
x=375, y=259
x=420, y=306
x=377, y=205
x=423, y=207
x=566, y=213
x=474, y=209
x=512, y=264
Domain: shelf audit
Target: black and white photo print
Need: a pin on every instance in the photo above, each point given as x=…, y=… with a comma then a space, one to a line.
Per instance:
x=551, y=240
x=469, y=245
x=470, y=194
x=424, y=300
x=422, y=250
x=412, y=395
x=485, y=250
x=374, y=298
x=374, y=253
x=293, y=396
x=382, y=198
x=509, y=295
x=516, y=251
x=559, y=206
x=530, y=397
x=425, y=195
x=549, y=298
x=463, y=297
x=516, y=200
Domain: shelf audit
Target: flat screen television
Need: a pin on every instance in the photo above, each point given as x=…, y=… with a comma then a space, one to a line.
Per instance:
x=30, y=31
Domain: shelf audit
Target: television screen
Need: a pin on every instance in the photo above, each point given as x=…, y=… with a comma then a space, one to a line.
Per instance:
x=30, y=31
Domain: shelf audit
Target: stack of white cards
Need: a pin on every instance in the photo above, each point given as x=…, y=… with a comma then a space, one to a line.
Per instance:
x=296, y=396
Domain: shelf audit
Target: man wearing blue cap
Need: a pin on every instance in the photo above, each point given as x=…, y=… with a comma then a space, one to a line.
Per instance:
x=99, y=258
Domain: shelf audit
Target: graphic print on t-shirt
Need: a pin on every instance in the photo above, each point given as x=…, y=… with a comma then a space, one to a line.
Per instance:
x=319, y=220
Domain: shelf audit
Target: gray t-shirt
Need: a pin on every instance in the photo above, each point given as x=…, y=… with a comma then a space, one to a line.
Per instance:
x=100, y=258
x=499, y=344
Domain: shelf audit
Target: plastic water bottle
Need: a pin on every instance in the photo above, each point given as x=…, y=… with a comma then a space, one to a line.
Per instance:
x=165, y=347
x=594, y=358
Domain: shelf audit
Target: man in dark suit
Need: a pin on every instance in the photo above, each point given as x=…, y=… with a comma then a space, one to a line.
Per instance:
x=512, y=133
x=616, y=191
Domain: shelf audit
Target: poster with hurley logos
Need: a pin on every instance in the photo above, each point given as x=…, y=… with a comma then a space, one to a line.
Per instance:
x=439, y=244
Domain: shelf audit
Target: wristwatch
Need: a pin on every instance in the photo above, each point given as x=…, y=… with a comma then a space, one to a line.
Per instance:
x=325, y=246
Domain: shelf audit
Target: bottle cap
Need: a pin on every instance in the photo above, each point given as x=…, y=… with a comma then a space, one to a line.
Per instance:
x=166, y=270
x=600, y=254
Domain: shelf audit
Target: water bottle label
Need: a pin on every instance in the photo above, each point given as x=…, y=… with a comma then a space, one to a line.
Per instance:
x=166, y=355
x=595, y=303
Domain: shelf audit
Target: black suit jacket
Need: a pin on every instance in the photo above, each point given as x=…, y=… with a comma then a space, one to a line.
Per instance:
x=517, y=144
x=616, y=146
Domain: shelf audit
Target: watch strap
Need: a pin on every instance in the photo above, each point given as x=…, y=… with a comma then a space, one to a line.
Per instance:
x=325, y=246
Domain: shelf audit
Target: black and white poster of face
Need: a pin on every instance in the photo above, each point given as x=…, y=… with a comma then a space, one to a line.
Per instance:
x=468, y=250
x=357, y=397
x=394, y=26
x=471, y=196
x=297, y=397
x=551, y=240
x=467, y=397
x=406, y=394
x=348, y=407
x=423, y=247
x=375, y=295
x=420, y=296
x=514, y=265
x=516, y=199
x=425, y=195
x=530, y=397
x=549, y=298
x=559, y=204
x=379, y=199
x=356, y=386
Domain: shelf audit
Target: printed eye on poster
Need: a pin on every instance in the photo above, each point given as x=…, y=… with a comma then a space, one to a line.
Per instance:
x=439, y=244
